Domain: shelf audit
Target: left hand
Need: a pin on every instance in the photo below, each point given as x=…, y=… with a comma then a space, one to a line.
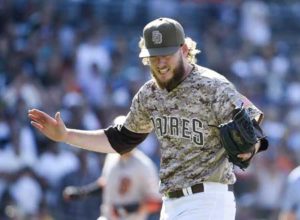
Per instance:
x=246, y=156
x=71, y=193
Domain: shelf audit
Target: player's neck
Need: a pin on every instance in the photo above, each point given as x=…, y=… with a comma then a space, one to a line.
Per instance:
x=189, y=68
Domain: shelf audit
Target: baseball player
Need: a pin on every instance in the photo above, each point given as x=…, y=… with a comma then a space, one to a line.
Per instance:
x=290, y=208
x=129, y=183
x=189, y=107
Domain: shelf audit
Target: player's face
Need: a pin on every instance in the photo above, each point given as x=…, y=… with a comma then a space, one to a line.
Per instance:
x=167, y=71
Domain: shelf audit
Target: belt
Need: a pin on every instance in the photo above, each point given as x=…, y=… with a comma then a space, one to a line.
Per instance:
x=190, y=190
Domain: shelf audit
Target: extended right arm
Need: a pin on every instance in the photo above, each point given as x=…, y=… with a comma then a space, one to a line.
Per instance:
x=55, y=129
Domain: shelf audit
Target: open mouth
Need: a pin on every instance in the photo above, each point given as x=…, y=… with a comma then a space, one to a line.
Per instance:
x=163, y=71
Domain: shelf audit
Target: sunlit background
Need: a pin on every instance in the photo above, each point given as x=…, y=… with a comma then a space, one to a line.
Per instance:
x=81, y=58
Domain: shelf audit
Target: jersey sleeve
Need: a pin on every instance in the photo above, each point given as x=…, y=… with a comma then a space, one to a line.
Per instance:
x=227, y=98
x=137, y=126
x=138, y=119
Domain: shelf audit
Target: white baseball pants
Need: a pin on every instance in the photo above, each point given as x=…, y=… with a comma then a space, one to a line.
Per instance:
x=215, y=203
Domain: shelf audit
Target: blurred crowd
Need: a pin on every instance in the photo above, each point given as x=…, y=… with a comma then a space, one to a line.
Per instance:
x=80, y=57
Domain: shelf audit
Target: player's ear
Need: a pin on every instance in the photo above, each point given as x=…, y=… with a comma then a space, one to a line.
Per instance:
x=185, y=50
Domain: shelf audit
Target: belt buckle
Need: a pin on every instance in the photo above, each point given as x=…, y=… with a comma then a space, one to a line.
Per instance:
x=174, y=194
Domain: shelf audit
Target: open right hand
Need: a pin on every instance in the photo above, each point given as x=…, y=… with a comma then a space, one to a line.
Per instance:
x=53, y=128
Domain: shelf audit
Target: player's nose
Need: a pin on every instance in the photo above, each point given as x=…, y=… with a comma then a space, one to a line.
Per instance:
x=161, y=62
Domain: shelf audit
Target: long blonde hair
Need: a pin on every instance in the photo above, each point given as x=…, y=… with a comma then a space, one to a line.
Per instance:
x=191, y=44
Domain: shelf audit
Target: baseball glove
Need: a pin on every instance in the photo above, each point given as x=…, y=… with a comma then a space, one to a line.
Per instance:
x=239, y=136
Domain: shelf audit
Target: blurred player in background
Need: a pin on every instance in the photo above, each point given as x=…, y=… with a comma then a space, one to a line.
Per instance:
x=290, y=208
x=129, y=184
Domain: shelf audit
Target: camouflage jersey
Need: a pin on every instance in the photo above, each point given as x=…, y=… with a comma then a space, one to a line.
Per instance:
x=190, y=147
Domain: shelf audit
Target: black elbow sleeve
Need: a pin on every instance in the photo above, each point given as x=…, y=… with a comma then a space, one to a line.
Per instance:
x=122, y=140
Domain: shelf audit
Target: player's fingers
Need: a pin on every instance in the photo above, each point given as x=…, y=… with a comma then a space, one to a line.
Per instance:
x=41, y=116
x=36, y=112
x=33, y=117
x=244, y=156
x=37, y=125
x=58, y=118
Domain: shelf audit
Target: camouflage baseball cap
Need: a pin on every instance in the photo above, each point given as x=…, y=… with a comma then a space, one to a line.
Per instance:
x=163, y=36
